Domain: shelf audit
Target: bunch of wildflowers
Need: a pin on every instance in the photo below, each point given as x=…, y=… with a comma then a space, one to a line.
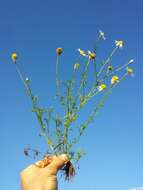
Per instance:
x=73, y=99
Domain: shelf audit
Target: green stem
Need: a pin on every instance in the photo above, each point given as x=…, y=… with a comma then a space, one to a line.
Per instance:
x=107, y=61
x=34, y=104
x=115, y=70
x=101, y=70
x=93, y=114
x=81, y=84
x=57, y=75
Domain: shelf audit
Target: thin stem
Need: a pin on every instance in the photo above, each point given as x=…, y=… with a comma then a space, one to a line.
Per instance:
x=23, y=80
x=101, y=70
x=84, y=76
x=93, y=114
x=96, y=42
x=107, y=61
x=115, y=70
x=57, y=75
x=34, y=105
x=81, y=83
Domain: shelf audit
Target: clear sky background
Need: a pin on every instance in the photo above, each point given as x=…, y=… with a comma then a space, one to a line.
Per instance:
x=34, y=28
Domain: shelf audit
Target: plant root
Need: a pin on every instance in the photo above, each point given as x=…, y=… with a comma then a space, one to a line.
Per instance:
x=69, y=170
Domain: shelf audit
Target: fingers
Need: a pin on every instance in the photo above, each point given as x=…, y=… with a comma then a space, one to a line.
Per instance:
x=45, y=162
x=50, y=164
x=57, y=163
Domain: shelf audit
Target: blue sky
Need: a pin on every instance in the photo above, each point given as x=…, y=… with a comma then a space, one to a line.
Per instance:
x=34, y=29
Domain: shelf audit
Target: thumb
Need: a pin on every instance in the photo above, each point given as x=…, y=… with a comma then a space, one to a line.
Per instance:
x=57, y=163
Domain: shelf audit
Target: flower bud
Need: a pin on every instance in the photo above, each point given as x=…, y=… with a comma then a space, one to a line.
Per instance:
x=110, y=68
x=59, y=51
x=131, y=61
x=76, y=66
x=14, y=57
x=27, y=80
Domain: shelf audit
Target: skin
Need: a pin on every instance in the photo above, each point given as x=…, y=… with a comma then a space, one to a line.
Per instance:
x=44, y=177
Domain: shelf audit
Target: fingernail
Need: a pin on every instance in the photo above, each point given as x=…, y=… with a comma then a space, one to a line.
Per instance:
x=64, y=157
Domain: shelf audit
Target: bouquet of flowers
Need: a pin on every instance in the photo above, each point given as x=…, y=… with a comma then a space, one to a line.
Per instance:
x=62, y=131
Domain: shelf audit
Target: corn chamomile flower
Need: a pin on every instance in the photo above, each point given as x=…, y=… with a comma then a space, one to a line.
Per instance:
x=130, y=71
x=102, y=87
x=59, y=51
x=119, y=43
x=114, y=80
x=131, y=61
x=14, y=57
x=76, y=66
x=102, y=35
x=91, y=55
x=82, y=52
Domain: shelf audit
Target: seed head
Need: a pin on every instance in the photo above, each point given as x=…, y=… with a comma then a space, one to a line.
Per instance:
x=59, y=51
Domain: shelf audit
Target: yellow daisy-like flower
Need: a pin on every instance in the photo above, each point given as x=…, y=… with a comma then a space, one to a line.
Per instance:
x=110, y=68
x=114, y=80
x=59, y=51
x=91, y=55
x=82, y=52
x=14, y=57
x=102, y=35
x=102, y=87
x=130, y=70
x=119, y=43
x=76, y=66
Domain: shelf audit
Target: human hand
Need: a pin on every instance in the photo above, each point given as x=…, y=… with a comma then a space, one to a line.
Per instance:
x=42, y=175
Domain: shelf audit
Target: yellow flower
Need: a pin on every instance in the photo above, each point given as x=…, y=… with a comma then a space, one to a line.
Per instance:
x=110, y=68
x=102, y=35
x=119, y=43
x=102, y=87
x=76, y=66
x=59, y=51
x=130, y=70
x=49, y=142
x=131, y=61
x=82, y=52
x=91, y=55
x=114, y=80
x=14, y=57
